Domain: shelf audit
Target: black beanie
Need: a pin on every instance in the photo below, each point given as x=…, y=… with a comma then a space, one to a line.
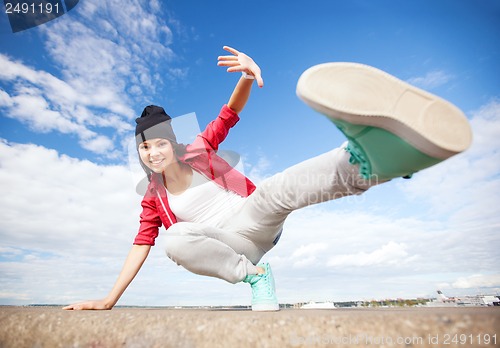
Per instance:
x=154, y=123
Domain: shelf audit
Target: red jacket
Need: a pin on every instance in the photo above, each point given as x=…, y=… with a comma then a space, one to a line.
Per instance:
x=201, y=156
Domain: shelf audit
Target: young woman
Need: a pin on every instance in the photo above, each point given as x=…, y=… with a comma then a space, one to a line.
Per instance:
x=220, y=225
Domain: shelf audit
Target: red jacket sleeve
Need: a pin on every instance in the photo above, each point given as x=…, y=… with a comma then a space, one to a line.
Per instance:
x=216, y=131
x=150, y=222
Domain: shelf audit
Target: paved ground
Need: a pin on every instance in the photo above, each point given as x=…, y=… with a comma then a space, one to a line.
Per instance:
x=133, y=327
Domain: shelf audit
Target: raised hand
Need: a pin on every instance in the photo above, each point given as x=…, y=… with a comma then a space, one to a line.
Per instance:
x=240, y=62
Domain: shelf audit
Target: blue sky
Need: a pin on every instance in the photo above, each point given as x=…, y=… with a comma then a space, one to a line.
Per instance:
x=70, y=90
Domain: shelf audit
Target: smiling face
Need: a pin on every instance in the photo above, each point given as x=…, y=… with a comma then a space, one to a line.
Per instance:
x=157, y=154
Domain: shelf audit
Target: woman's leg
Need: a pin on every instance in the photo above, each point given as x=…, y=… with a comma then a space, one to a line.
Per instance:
x=211, y=251
x=322, y=178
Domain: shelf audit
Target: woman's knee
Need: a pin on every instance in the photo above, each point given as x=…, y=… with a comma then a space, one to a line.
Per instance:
x=177, y=240
x=173, y=246
x=183, y=229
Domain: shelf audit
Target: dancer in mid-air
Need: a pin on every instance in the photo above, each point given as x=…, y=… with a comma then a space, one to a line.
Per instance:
x=219, y=224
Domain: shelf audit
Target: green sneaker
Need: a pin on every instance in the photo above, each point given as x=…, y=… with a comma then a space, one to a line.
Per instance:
x=263, y=290
x=394, y=129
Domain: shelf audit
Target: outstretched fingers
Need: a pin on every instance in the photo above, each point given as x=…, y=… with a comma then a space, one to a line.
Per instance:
x=240, y=62
x=231, y=50
x=229, y=59
x=88, y=305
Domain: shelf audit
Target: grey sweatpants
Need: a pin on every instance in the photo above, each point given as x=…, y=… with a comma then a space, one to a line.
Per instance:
x=231, y=250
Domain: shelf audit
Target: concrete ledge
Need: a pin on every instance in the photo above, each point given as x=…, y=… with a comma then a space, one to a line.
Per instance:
x=141, y=327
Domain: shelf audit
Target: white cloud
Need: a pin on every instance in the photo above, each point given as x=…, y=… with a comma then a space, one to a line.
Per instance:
x=307, y=255
x=62, y=219
x=466, y=186
x=99, y=144
x=310, y=249
x=431, y=80
x=98, y=61
x=9, y=251
x=46, y=103
x=17, y=295
x=477, y=281
x=117, y=53
x=441, y=224
x=49, y=201
x=5, y=99
x=259, y=171
x=389, y=254
x=66, y=226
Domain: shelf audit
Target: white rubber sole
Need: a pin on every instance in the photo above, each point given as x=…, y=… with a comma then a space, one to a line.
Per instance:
x=361, y=94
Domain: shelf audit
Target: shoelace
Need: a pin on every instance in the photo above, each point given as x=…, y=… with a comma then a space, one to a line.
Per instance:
x=263, y=288
x=357, y=156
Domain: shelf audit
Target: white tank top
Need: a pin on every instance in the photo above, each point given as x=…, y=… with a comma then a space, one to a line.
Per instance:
x=204, y=202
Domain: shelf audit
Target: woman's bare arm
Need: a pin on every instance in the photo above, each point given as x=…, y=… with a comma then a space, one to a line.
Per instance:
x=131, y=267
x=240, y=62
